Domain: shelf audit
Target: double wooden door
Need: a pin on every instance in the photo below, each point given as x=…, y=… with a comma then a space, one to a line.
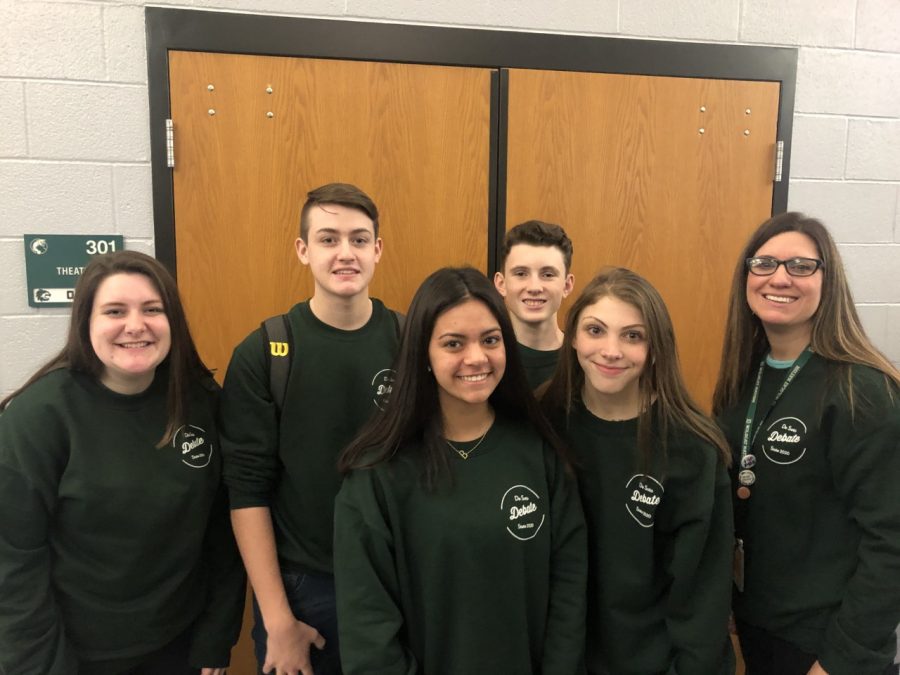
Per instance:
x=666, y=176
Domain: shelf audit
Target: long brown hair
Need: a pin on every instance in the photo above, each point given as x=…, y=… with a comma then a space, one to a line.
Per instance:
x=660, y=381
x=837, y=333
x=184, y=363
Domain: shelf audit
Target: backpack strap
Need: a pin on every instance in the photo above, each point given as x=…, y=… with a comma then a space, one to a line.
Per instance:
x=277, y=341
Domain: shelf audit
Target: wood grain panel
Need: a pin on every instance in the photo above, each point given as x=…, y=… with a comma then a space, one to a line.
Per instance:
x=619, y=161
x=416, y=138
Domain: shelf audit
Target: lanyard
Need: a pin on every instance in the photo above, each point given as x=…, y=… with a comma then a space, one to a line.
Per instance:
x=747, y=440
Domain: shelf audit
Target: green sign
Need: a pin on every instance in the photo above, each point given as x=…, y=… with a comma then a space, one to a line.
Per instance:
x=53, y=263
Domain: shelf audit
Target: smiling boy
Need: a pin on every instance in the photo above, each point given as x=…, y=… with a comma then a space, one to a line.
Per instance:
x=535, y=261
x=280, y=465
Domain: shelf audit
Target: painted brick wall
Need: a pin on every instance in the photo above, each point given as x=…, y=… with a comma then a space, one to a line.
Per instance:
x=74, y=140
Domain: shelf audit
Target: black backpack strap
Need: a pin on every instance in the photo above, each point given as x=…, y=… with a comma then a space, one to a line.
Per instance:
x=400, y=321
x=278, y=342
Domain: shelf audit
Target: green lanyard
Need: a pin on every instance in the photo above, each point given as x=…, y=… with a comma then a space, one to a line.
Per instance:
x=747, y=477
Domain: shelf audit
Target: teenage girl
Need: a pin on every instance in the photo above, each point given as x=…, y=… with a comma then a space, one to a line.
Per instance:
x=459, y=539
x=116, y=552
x=652, y=474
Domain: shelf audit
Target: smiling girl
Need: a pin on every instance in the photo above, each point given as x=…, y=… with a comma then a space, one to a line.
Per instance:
x=810, y=408
x=459, y=540
x=116, y=554
x=652, y=476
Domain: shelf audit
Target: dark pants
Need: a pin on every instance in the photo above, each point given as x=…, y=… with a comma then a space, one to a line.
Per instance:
x=312, y=600
x=766, y=654
x=169, y=660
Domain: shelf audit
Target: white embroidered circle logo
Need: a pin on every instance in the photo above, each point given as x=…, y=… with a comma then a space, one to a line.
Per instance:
x=785, y=441
x=382, y=385
x=196, y=451
x=523, y=511
x=644, y=493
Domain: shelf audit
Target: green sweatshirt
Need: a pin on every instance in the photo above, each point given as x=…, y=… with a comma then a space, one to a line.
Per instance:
x=539, y=365
x=821, y=528
x=338, y=379
x=661, y=544
x=109, y=546
x=486, y=575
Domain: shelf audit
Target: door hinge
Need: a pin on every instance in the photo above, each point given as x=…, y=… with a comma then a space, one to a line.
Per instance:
x=170, y=144
x=779, y=159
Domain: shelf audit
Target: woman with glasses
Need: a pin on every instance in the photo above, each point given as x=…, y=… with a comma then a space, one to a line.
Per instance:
x=810, y=408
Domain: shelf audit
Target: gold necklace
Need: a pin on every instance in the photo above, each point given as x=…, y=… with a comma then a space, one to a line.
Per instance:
x=465, y=453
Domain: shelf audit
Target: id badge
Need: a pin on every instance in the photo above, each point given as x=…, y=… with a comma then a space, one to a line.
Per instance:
x=739, y=564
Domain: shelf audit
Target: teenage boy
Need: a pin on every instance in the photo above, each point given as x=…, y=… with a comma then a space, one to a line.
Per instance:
x=280, y=464
x=534, y=278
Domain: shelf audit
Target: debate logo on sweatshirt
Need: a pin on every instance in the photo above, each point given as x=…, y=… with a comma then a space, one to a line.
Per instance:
x=644, y=493
x=382, y=385
x=195, y=448
x=785, y=440
x=523, y=511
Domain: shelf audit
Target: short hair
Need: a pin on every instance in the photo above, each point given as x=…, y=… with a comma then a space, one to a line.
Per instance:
x=537, y=233
x=837, y=332
x=78, y=353
x=342, y=194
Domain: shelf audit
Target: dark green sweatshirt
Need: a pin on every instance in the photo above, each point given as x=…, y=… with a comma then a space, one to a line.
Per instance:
x=539, y=365
x=109, y=546
x=822, y=526
x=661, y=544
x=338, y=379
x=486, y=575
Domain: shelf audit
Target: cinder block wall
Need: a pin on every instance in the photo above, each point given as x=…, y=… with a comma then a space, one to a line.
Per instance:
x=74, y=145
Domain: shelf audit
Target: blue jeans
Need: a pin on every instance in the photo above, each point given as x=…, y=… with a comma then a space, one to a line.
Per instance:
x=312, y=600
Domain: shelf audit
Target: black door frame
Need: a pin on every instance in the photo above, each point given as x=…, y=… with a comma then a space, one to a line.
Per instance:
x=197, y=30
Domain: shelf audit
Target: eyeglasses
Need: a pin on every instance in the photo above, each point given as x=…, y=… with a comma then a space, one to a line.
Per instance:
x=765, y=266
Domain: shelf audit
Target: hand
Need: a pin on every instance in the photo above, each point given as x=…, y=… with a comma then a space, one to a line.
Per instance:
x=287, y=648
x=212, y=671
x=817, y=669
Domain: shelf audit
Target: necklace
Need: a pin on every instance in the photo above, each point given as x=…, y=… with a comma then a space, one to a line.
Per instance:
x=465, y=453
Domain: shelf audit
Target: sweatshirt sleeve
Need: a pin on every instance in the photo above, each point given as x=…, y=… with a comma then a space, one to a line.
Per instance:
x=699, y=562
x=864, y=454
x=219, y=624
x=370, y=620
x=32, y=458
x=565, y=635
x=248, y=426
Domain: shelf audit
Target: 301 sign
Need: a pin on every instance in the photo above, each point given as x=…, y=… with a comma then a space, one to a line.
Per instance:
x=53, y=263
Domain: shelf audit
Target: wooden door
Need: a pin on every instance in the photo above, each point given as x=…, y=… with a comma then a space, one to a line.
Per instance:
x=254, y=134
x=666, y=176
